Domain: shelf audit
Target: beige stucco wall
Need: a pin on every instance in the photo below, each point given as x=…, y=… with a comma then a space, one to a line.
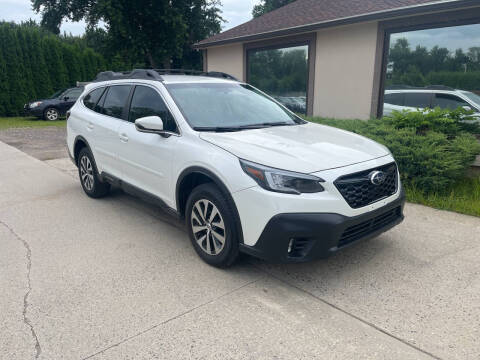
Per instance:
x=228, y=59
x=344, y=71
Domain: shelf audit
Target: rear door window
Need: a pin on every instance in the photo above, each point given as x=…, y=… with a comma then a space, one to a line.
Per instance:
x=446, y=101
x=418, y=100
x=92, y=98
x=115, y=100
x=395, y=99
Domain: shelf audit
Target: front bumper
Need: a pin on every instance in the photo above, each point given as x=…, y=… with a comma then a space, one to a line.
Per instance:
x=318, y=235
x=36, y=111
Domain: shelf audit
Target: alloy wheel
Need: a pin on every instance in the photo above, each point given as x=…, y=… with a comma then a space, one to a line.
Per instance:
x=208, y=227
x=52, y=114
x=86, y=173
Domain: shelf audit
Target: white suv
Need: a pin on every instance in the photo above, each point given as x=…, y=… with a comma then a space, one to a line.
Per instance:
x=410, y=98
x=243, y=172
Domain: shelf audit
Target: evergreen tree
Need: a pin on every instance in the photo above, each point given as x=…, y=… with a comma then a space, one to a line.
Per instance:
x=4, y=100
x=34, y=63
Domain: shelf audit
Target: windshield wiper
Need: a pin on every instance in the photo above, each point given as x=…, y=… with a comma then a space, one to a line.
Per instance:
x=264, y=125
x=239, y=128
x=217, y=128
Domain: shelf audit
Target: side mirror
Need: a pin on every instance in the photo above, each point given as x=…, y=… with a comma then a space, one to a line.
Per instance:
x=149, y=124
x=66, y=98
x=468, y=108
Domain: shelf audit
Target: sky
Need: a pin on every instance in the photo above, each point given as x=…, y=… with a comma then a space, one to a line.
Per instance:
x=235, y=12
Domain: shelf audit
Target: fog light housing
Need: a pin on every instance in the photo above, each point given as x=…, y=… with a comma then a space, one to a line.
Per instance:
x=290, y=245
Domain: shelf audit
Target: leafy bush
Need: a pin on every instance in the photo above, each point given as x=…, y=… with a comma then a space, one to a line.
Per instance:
x=432, y=150
x=449, y=122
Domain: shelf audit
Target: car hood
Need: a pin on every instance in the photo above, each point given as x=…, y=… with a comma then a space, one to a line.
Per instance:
x=304, y=148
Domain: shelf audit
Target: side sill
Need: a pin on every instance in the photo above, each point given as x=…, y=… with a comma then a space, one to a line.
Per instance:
x=139, y=193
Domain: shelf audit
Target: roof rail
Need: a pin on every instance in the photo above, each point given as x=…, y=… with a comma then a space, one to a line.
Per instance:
x=156, y=74
x=216, y=74
x=135, y=74
x=439, y=87
x=408, y=87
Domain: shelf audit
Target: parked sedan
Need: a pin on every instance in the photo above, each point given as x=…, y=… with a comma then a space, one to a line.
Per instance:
x=58, y=105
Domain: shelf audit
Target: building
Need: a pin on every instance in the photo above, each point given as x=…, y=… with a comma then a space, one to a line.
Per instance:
x=344, y=44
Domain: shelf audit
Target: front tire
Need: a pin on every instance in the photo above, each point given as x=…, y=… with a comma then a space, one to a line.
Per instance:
x=89, y=178
x=51, y=114
x=211, y=226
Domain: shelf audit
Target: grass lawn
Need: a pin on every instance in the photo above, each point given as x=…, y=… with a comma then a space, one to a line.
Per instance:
x=28, y=122
x=462, y=197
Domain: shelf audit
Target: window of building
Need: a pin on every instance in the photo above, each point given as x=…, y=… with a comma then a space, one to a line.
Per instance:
x=446, y=58
x=281, y=73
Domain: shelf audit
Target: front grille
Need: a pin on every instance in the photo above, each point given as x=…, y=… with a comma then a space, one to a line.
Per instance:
x=359, y=191
x=365, y=228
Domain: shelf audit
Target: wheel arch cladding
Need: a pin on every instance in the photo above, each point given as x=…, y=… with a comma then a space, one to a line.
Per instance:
x=79, y=144
x=192, y=177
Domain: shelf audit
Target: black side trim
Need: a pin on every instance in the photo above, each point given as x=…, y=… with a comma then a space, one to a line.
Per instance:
x=137, y=192
x=218, y=182
x=77, y=139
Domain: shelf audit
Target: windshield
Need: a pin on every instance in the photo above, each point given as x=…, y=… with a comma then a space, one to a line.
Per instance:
x=473, y=97
x=228, y=107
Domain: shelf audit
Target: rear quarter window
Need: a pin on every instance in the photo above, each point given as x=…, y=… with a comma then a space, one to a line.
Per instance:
x=92, y=98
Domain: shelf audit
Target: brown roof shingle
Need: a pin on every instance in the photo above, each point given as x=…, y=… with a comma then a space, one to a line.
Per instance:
x=303, y=13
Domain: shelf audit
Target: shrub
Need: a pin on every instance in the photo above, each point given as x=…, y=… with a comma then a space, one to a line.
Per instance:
x=449, y=122
x=431, y=150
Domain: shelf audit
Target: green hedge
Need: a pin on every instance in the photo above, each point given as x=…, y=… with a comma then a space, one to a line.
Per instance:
x=433, y=150
x=35, y=63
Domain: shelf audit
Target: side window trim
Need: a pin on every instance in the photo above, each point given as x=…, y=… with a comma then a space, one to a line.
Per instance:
x=102, y=100
x=126, y=107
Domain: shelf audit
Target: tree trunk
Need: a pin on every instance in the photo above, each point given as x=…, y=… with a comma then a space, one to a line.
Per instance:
x=153, y=65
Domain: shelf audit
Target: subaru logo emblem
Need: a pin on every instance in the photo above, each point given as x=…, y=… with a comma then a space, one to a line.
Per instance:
x=377, y=177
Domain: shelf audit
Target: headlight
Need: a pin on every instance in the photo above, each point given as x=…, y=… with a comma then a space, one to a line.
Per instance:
x=281, y=180
x=35, y=104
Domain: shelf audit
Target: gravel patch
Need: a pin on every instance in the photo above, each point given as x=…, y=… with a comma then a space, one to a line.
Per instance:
x=42, y=143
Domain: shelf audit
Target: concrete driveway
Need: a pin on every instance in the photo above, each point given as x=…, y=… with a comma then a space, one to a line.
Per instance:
x=111, y=279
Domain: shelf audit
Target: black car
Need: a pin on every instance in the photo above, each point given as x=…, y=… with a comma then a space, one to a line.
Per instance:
x=54, y=107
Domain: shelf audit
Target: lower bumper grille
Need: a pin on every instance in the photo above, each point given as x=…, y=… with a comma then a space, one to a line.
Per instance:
x=365, y=228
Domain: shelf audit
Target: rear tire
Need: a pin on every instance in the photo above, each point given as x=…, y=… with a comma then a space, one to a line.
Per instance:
x=211, y=226
x=88, y=174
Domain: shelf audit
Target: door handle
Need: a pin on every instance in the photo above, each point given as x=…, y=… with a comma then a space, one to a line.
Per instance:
x=123, y=137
